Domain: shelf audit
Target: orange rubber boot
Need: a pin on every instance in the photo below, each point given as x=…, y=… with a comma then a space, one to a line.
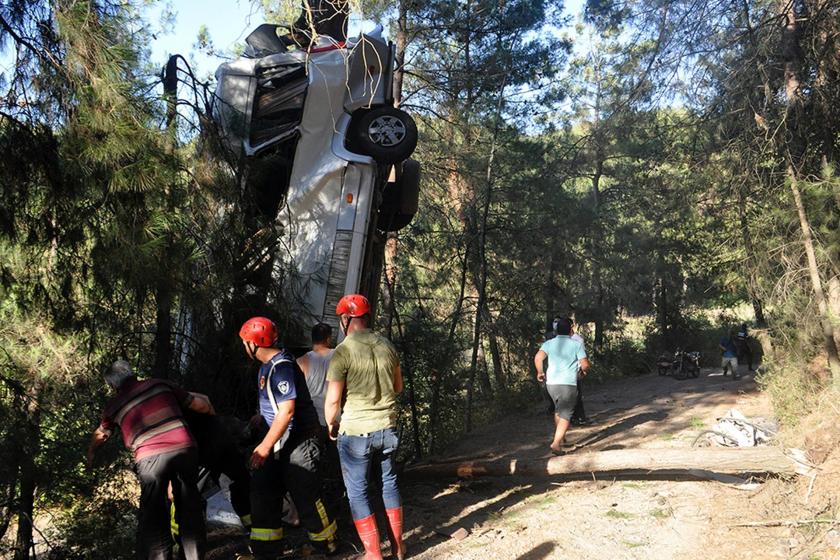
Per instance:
x=395, y=526
x=369, y=535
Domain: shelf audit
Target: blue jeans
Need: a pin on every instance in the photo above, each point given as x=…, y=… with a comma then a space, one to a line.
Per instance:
x=358, y=454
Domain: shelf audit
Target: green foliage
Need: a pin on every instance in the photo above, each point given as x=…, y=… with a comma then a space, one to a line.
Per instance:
x=792, y=386
x=608, y=173
x=84, y=536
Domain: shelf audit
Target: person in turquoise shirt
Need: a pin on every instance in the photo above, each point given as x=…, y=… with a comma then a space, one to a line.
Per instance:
x=566, y=357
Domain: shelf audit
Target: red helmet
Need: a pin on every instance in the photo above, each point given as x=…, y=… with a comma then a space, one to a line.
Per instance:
x=354, y=305
x=260, y=331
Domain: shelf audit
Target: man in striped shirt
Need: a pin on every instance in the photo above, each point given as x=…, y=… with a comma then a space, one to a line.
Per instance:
x=150, y=417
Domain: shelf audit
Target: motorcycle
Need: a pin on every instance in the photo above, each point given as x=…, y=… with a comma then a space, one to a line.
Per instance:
x=681, y=365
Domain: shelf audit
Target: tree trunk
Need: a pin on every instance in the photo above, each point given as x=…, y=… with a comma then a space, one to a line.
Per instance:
x=26, y=495
x=600, y=157
x=482, y=244
x=791, y=54
x=473, y=365
x=433, y=411
x=662, y=308
x=163, y=331
x=599, y=319
x=495, y=352
x=549, y=291
x=814, y=273
x=834, y=305
x=390, y=272
x=637, y=463
x=408, y=372
x=392, y=240
x=752, y=288
x=26, y=509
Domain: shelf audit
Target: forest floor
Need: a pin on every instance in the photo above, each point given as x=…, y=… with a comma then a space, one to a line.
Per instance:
x=601, y=518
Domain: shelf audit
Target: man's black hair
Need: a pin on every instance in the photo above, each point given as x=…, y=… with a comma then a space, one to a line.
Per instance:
x=321, y=332
x=563, y=326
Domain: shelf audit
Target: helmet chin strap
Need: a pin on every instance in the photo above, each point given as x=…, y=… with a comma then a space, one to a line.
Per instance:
x=345, y=324
x=251, y=349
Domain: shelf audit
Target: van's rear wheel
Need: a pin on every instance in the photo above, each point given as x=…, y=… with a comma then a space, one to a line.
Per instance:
x=401, y=198
x=386, y=134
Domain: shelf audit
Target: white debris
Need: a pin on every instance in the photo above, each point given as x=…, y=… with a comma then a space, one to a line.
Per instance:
x=219, y=510
x=736, y=430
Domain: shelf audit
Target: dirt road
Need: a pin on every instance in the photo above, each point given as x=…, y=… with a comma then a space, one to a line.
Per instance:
x=529, y=519
x=516, y=518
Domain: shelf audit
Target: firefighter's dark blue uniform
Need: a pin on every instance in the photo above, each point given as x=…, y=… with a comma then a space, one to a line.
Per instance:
x=294, y=464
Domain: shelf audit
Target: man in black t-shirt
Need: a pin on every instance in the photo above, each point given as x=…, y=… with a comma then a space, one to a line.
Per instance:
x=742, y=343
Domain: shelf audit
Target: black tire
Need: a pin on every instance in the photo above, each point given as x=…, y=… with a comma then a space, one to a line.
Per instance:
x=401, y=198
x=386, y=134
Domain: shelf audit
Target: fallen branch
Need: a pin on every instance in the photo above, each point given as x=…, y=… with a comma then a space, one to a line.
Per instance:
x=694, y=463
x=786, y=523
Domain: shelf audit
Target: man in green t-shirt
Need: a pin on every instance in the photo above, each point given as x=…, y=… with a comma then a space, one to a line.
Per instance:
x=366, y=369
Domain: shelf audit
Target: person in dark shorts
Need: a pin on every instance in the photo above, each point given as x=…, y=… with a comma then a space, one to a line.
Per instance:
x=579, y=417
x=565, y=357
x=549, y=402
x=729, y=354
x=742, y=343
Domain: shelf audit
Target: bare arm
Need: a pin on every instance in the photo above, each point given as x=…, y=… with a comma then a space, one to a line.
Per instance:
x=201, y=403
x=303, y=364
x=539, y=359
x=332, y=404
x=583, y=364
x=398, y=380
x=98, y=437
x=282, y=419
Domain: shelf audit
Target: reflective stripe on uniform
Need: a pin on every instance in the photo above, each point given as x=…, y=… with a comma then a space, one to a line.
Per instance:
x=173, y=523
x=326, y=534
x=329, y=528
x=258, y=534
x=322, y=512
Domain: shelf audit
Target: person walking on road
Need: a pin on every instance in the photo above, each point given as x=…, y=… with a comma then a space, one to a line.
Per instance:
x=288, y=457
x=565, y=358
x=729, y=358
x=742, y=342
x=579, y=414
x=366, y=366
x=549, y=402
x=149, y=414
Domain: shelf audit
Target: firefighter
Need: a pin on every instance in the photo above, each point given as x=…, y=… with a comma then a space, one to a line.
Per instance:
x=288, y=456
